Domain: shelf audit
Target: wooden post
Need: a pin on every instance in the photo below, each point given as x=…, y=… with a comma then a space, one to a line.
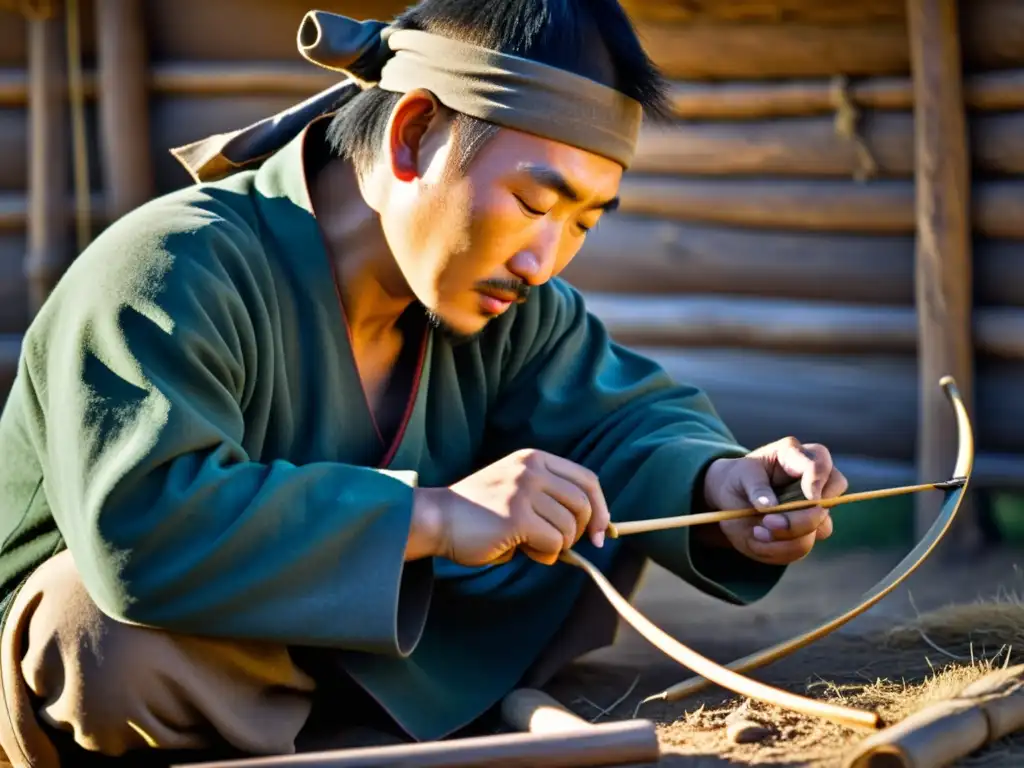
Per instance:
x=48, y=158
x=122, y=76
x=943, y=256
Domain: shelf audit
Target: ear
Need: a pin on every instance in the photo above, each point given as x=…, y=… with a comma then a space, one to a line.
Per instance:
x=411, y=118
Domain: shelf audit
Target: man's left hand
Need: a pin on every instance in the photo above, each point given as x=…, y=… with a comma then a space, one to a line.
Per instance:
x=778, y=538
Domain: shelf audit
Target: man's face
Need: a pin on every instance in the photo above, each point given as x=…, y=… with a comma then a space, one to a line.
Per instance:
x=472, y=244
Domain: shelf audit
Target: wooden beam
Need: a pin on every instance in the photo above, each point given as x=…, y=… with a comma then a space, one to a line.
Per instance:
x=124, y=105
x=717, y=49
x=755, y=100
x=813, y=147
x=883, y=206
x=944, y=277
x=785, y=325
x=49, y=160
x=656, y=256
x=15, y=214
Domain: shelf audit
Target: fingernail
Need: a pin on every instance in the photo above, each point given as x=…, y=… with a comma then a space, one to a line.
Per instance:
x=776, y=522
x=599, y=539
x=762, y=534
x=763, y=501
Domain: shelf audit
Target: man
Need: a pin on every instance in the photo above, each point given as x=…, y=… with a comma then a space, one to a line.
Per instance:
x=325, y=420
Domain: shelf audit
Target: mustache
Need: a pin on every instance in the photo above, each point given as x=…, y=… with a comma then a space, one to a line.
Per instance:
x=517, y=287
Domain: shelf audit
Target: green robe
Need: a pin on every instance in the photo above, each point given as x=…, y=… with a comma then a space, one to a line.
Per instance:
x=188, y=419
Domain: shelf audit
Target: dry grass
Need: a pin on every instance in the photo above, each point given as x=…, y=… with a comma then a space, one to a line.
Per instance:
x=896, y=673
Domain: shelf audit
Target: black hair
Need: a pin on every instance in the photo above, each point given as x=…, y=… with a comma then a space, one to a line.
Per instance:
x=592, y=38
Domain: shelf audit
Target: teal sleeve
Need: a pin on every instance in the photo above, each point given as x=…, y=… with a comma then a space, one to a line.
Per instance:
x=144, y=377
x=568, y=389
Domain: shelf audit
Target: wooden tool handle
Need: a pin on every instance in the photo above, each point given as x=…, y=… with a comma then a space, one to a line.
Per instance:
x=527, y=709
x=628, y=743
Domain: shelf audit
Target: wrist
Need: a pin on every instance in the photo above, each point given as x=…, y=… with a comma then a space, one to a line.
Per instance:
x=427, y=533
x=713, y=480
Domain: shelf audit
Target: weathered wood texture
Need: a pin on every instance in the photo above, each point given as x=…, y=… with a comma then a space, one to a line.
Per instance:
x=883, y=206
x=124, y=105
x=48, y=164
x=635, y=254
x=812, y=146
x=785, y=325
x=944, y=275
x=746, y=100
x=718, y=49
x=863, y=405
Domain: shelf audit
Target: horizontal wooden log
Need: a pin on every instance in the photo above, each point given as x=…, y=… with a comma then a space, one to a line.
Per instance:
x=806, y=327
x=703, y=49
x=753, y=100
x=862, y=405
x=766, y=10
x=883, y=206
x=811, y=146
x=205, y=30
x=14, y=211
x=983, y=91
x=637, y=254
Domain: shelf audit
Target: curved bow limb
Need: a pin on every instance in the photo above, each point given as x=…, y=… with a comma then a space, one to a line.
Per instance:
x=744, y=686
x=910, y=563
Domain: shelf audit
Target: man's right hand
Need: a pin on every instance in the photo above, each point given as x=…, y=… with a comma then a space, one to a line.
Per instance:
x=529, y=500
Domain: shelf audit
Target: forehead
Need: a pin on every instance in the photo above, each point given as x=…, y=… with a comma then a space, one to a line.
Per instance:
x=510, y=151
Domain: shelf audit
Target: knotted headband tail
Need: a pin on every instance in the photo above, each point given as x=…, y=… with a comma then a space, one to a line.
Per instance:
x=499, y=88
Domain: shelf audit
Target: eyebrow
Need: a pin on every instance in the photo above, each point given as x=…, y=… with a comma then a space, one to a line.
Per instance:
x=552, y=179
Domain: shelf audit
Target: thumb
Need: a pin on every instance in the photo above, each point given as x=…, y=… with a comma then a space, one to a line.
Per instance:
x=757, y=486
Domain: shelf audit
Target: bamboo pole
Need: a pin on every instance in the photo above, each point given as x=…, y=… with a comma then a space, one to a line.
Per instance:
x=122, y=75
x=47, y=213
x=944, y=277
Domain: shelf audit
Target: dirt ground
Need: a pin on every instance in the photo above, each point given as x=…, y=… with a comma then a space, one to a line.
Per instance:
x=692, y=732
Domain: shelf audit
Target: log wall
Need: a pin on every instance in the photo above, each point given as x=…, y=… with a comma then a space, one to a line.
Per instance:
x=765, y=247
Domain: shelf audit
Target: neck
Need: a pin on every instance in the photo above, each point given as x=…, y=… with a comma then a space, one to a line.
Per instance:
x=372, y=289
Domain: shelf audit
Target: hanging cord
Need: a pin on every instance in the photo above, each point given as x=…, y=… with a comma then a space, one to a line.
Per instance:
x=76, y=93
x=847, y=118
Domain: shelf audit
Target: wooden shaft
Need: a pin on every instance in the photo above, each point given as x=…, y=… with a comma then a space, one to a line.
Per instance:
x=122, y=76
x=943, y=223
x=626, y=743
x=616, y=530
x=533, y=711
x=744, y=686
x=48, y=160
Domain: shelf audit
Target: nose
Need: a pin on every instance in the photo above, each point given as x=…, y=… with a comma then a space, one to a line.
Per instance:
x=535, y=264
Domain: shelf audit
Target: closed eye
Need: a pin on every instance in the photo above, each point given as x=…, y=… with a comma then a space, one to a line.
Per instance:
x=527, y=208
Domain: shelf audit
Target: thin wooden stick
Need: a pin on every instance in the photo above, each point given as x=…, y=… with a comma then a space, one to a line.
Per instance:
x=616, y=530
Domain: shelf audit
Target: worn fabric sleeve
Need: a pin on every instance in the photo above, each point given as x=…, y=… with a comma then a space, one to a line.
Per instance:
x=568, y=389
x=144, y=380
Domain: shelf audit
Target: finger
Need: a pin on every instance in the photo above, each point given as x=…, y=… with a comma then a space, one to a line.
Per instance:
x=782, y=552
x=583, y=478
x=757, y=485
x=572, y=498
x=836, y=485
x=812, y=463
x=793, y=525
x=562, y=519
x=825, y=529
x=542, y=541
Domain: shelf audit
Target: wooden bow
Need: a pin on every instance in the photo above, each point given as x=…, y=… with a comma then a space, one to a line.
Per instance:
x=731, y=676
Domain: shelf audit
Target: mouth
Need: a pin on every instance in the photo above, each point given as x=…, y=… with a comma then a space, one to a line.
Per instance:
x=495, y=303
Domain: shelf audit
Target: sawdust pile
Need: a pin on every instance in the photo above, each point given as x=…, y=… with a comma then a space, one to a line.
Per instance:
x=896, y=673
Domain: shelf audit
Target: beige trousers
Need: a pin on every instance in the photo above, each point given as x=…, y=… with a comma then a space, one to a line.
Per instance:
x=115, y=688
